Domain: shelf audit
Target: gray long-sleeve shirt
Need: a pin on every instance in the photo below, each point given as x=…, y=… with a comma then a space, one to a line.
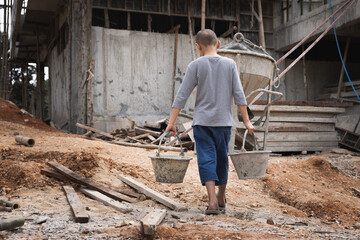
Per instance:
x=217, y=80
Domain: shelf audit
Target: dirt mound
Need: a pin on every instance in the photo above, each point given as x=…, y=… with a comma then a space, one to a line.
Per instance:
x=10, y=112
x=22, y=169
x=315, y=187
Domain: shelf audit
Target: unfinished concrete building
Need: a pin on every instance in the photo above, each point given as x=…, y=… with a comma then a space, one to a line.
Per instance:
x=111, y=59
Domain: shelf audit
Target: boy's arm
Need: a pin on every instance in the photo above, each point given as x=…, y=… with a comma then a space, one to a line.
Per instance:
x=246, y=120
x=171, y=126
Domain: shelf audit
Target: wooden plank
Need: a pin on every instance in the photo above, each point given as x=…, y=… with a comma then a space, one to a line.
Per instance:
x=151, y=138
x=95, y=130
x=150, y=222
x=299, y=114
x=278, y=108
x=147, y=146
x=54, y=174
x=304, y=144
x=106, y=200
x=299, y=149
x=299, y=136
x=328, y=103
x=300, y=119
x=77, y=207
x=300, y=127
x=188, y=125
x=89, y=183
x=152, y=194
x=139, y=130
x=124, y=191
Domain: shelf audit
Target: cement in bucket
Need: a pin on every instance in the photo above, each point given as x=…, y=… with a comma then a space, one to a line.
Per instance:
x=170, y=168
x=249, y=165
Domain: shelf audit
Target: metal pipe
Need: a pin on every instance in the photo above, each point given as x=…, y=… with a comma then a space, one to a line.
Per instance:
x=11, y=223
x=10, y=204
x=25, y=141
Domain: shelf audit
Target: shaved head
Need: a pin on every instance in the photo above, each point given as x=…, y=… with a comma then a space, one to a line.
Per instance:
x=206, y=37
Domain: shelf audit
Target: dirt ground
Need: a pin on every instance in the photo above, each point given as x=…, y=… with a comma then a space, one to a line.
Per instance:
x=301, y=197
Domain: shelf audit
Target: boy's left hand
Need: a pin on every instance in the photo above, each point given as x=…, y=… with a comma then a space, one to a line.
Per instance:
x=172, y=129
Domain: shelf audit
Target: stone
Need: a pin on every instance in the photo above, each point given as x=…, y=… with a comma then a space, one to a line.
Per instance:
x=41, y=219
x=270, y=221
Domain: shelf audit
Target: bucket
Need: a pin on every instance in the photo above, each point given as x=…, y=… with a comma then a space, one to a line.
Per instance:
x=170, y=168
x=252, y=164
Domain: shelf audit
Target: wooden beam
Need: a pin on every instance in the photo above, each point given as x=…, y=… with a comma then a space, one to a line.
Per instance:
x=89, y=183
x=150, y=222
x=278, y=108
x=106, y=15
x=300, y=119
x=149, y=20
x=77, y=207
x=128, y=21
x=228, y=32
x=147, y=146
x=261, y=26
x=203, y=7
x=152, y=194
x=338, y=94
x=173, y=29
x=106, y=200
x=54, y=174
x=174, y=65
x=95, y=130
x=238, y=14
x=139, y=130
x=304, y=75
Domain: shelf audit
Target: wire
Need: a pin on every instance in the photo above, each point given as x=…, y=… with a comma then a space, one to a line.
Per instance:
x=341, y=58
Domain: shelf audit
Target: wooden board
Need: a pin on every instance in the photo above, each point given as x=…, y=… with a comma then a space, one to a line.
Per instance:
x=106, y=200
x=299, y=136
x=152, y=194
x=89, y=183
x=279, y=108
x=300, y=119
x=188, y=125
x=269, y=145
x=54, y=174
x=150, y=222
x=78, y=209
x=95, y=130
x=300, y=127
x=299, y=149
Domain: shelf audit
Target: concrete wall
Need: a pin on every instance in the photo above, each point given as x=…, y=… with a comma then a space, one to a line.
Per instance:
x=289, y=33
x=59, y=68
x=133, y=75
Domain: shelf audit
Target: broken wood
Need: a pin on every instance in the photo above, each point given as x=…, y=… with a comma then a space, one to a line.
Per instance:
x=89, y=183
x=147, y=146
x=356, y=192
x=229, y=31
x=106, y=200
x=151, y=138
x=95, y=131
x=54, y=174
x=152, y=194
x=150, y=222
x=77, y=207
x=139, y=130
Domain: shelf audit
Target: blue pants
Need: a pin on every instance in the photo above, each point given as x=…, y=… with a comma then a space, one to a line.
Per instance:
x=211, y=146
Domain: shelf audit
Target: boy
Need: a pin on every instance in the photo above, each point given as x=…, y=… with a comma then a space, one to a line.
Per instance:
x=217, y=82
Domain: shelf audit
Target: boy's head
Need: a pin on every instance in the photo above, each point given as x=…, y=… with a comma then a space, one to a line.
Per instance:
x=206, y=40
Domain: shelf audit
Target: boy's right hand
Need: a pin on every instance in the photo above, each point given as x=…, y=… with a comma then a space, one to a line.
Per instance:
x=172, y=129
x=249, y=127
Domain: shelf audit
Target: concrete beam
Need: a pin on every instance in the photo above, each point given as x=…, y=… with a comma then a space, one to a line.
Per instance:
x=15, y=24
x=288, y=34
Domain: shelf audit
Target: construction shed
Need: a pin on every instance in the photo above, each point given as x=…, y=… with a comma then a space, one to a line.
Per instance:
x=111, y=59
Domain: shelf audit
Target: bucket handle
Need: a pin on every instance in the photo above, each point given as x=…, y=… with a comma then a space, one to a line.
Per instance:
x=243, y=144
x=162, y=138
